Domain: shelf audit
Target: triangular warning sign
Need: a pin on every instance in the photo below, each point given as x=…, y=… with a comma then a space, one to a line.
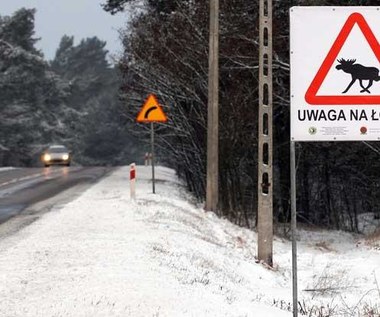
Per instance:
x=311, y=94
x=151, y=111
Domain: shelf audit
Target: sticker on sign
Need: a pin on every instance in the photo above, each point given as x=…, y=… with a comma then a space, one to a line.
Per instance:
x=335, y=73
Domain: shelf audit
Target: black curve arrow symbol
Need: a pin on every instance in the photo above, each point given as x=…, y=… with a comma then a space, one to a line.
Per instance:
x=149, y=111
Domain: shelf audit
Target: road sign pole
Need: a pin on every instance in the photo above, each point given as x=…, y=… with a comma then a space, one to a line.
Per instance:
x=152, y=141
x=293, y=183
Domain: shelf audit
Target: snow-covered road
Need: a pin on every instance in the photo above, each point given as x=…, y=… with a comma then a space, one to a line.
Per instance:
x=161, y=255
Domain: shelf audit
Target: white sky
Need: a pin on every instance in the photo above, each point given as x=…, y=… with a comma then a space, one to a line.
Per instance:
x=80, y=18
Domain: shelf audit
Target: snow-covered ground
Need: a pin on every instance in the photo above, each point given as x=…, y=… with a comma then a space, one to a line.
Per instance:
x=161, y=255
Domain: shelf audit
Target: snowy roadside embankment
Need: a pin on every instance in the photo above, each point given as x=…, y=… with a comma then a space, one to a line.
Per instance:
x=105, y=255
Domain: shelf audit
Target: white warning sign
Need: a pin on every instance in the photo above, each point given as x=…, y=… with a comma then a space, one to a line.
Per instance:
x=335, y=73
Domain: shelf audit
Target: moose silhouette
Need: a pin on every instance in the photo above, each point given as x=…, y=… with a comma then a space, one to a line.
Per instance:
x=358, y=72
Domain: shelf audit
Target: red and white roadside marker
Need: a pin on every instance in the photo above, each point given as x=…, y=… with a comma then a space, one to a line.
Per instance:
x=132, y=178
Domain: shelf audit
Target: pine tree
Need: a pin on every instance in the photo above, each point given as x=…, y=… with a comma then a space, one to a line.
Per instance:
x=31, y=94
x=18, y=30
x=96, y=132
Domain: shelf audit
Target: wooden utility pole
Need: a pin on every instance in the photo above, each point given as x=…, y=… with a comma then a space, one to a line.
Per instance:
x=213, y=116
x=265, y=181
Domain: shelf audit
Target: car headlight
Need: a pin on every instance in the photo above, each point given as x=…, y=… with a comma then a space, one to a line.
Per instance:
x=65, y=157
x=47, y=157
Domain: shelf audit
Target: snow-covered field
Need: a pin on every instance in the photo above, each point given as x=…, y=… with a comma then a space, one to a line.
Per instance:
x=161, y=255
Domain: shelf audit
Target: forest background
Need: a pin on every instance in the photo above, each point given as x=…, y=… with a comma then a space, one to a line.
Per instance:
x=80, y=100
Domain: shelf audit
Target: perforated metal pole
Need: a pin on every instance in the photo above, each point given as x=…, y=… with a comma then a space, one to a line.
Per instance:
x=265, y=183
x=213, y=114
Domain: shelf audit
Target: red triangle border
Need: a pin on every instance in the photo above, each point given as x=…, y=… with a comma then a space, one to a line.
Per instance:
x=311, y=94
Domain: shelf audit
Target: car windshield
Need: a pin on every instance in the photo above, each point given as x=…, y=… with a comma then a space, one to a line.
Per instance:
x=60, y=149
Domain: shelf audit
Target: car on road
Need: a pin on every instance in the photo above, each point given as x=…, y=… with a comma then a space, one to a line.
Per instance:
x=56, y=155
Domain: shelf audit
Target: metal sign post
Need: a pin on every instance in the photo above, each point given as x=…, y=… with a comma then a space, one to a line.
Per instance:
x=152, y=144
x=293, y=185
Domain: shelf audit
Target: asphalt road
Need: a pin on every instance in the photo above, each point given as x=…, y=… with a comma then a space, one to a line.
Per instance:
x=26, y=193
